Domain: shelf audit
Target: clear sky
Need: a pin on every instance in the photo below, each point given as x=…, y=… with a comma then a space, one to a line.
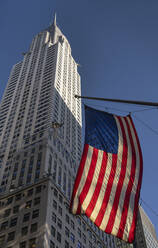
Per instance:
x=116, y=44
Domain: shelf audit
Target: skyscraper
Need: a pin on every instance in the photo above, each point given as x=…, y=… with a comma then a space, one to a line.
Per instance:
x=40, y=148
x=149, y=230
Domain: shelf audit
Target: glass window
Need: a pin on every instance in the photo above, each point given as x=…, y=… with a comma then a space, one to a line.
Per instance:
x=13, y=222
x=59, y=237
x=2, y=239
x=53, y=230
x=18, y=197
x=35, y=213
x=52, y=245
x=67, y=232
x=54, y=217
x=72, y=237
x=4, y=225
x=7, y=212
x=72, y=225
x=78, y=244
x=67, y=218
x=59, y=223
x=54, y=204
x=26, y=217
x=24, y=230
x=9, y=200
x=28, y=204
x=33, y=227
x=60, y=210
x=23, y=244
x=11, y=236
x=37, y=201
x=38, y=189
x=32, y=243
x=30, y=192
x=66, y=244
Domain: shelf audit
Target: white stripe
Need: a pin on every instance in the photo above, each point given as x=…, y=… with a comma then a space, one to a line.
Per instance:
x=94, y=181
x=99, y=201
x=83, y=179
x=125, y=182
x=135, y=184
x=116, y=178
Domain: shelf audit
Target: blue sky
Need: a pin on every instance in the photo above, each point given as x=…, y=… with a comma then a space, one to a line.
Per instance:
x=116, y=44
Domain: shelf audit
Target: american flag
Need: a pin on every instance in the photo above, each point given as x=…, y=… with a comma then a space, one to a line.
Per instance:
x=108, y=181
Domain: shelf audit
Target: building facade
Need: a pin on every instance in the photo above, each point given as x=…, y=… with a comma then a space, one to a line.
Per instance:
x=149, y=230
x=40, y=148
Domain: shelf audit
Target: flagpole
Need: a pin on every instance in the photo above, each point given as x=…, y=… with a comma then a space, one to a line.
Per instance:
x=154, y=104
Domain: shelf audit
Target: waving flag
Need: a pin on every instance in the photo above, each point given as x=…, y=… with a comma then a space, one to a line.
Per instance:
x=108, y=180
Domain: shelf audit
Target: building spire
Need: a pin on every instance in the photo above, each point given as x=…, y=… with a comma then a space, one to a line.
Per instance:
x=55, y=19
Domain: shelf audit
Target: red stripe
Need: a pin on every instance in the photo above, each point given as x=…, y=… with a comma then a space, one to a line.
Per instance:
x=79, y=173
x=130, y=185
x=89, y=176
x=132, y=230
x=111, y=220
x=108, y=191
x=94, y=198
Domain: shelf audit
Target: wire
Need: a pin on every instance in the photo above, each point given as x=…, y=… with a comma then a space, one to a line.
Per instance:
x=146, y=125
x=147, y=109
x=147, y=205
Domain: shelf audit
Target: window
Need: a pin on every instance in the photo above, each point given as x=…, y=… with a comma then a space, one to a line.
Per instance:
x=2, y=239
x=18, y=197
x=13, y=222
x=33, y=228
x=7, y=212
x=9, y=200
x=4, y=225
x=28, y=204
x=23, y=244
x=60, y=199
x=79, y=232
x=79, y=220
x=32, y=243
x=67, y=232
x=11, y=236
x=52, y=245
x=38, y=189
x=72, y=225
x=84, y=238
x=24, y=230
x=53, y=230
x=60, y=210
x=72, y=237
x=59, y=223
x=54, y=204
x=55, y=193
x=90, y=244
x=59, y=237
x=35, y=213
x=66, y=244
x=84, y=226
x=54, y=217
x=78, y=244
x=26, y=217
x=30, y=192
x=67, y=218
x=16, y=209
x=37, y=201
